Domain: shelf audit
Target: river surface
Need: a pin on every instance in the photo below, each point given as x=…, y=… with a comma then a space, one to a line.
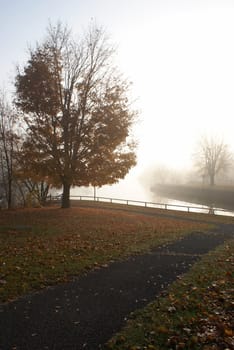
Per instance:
x=139, y=196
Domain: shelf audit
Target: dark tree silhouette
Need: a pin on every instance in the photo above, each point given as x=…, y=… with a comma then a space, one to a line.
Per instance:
x=8, y=148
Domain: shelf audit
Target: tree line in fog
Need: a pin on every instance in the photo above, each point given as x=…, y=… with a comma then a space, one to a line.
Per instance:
x=213, y=163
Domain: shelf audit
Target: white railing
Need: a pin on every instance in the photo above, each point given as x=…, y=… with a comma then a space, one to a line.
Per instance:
x=166, y=206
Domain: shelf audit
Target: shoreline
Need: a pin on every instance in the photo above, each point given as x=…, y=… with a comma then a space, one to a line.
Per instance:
x=217, y=196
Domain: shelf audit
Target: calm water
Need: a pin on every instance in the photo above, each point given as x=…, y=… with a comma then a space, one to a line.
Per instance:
x=138, y=196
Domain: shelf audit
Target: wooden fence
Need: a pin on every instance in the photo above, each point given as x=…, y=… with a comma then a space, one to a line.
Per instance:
x=166, y=206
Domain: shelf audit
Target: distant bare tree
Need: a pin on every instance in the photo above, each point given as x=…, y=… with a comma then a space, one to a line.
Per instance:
x=212, y=157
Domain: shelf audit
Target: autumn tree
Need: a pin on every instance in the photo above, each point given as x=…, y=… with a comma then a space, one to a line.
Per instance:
x=212, y=157
x=76, y=110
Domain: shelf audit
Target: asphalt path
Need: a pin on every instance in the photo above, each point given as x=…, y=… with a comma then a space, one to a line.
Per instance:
x=86, y=312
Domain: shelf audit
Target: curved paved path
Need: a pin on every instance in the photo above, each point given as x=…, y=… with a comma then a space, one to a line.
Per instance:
x=86, y=312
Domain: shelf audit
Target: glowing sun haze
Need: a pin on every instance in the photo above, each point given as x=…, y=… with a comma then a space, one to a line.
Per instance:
x=183, y=62
x=178, y=54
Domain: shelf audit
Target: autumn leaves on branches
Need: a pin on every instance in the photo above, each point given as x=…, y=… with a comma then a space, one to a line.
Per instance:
x=75, y=111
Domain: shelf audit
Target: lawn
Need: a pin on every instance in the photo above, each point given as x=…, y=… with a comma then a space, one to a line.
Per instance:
x=46, y=246
x=196, y=312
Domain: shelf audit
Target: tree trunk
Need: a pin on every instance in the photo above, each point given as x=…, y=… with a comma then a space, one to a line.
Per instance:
x=66, y=195
x=9, y=194
x=212, y=179
x=43, y=193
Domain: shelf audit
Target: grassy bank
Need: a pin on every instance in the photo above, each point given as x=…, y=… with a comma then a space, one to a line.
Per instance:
x=196, y=313
x=46, y=246
x=218, y=196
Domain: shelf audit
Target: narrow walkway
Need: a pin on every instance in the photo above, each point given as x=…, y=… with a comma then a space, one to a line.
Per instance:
x=86, y=312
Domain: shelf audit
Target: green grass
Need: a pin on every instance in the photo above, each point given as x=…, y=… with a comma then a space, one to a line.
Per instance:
x=196, y=313
x=46, y=246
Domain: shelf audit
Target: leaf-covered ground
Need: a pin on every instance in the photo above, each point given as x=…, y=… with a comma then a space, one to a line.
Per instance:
x=41, y=247
x=196, y=313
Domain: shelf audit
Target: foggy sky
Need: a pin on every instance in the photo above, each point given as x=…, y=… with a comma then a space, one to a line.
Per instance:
x=178, y=54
